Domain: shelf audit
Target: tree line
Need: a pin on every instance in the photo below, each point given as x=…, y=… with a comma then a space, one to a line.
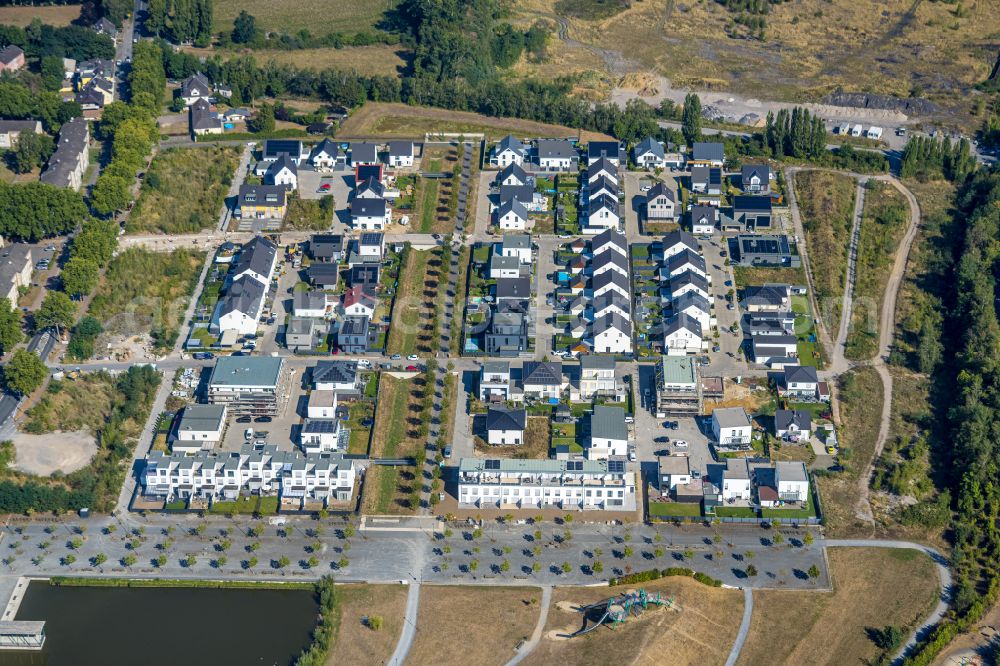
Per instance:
x=183, y=21
x=39, y=40
x=928, y=157
x=246, y=32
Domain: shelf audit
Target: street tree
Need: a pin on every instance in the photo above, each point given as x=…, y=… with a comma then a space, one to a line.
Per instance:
x=57, y=311
x=24, y=372
x=813, y=571
x=79, y=276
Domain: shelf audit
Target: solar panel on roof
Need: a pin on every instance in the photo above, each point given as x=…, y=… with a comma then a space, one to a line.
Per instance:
x=574, y=465
x=492, y=464
x=616, y=466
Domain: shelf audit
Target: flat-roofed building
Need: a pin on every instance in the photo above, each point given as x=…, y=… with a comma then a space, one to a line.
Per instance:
x=199, y=427
x=678, y=391
x=248, y=385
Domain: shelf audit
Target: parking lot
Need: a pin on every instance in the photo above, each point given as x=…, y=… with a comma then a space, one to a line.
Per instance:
x=282, y=430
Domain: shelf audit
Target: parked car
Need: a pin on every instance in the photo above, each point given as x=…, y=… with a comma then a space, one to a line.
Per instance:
x=204, y=356
x=680, y=444
x=670, y=424
x=447, y=451
x=631, y=455
x=662, y=440
x=263, y=419
x=395, y=357
x=244, y=419
x=248, y=434
x=411, y=368
x=412, y=357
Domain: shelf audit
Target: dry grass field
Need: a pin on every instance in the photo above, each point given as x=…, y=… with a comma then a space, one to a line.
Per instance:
x=317, y=16
x=809, y=48
x=457, y=626
x=385, y=120
x=413, y=330
x=354, y=642
x=377, y=59
x=826, y=202
x=699, y=631
x=872, y=588
x=57, y=15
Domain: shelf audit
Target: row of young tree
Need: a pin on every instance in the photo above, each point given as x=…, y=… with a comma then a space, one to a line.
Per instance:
x=183, y=21
x=927, y=157
x=797, y=134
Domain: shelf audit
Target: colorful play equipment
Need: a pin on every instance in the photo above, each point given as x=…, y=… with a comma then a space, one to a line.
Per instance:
x=615, y=610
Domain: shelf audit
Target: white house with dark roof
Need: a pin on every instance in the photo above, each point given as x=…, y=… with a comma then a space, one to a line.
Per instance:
x=364, y=153
x=283, y=171
x=400, y=153
x=682, y=334
x=311, y=304
x=542, y=379
x=340, y=377
x=557, y=155
x=769, y=348
x=199, y=427
x=609, y=261
x=689, y=281
x=370, y=214
x=755, y=178
x=608, y=433
x=240, y=307
x=602, y=213
x=516, y=245
x=660, y=203
x=695, y=306
x=649, y=154
x=678, y=241
x=793, y=481
x=612, y=302
x=800, y=381
x=610, y=240
x=195, y=87
x=731, y=426
x=601, y=168
x=508, y=151
x=514, y=174
x=602, y=187
x=257, y=259
x=736, y=482
x=495, y=381
x=793, y=424
x=704, y=219
x=685, y=261
x=608, y=150
x=505, y=427
x=612, y=334
x=767, y=298
x=512, y=215
x=326, y=156
x=708, y=154
x=610, y=281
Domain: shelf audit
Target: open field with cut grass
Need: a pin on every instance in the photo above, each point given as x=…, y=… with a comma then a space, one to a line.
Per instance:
x=145, y=292
x=872, y=588
x=382, y=59
x=385, y=119
x=699, y=630
x=184, y=190
x=808, y=50
x=826, y=202
x=317, y=16
x=56, y=15
x=883, y=224
x=473, y=625
x=413, y=329
x=396, y=434
x=860, y=393
x=354, y=642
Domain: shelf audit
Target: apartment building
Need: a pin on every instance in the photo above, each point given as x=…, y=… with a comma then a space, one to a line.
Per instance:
x=678, y=391
x=533, y=484
x=248, y=385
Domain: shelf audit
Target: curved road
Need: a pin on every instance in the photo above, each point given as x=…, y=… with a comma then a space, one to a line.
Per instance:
x=741, y=637
x=536, y=635
x=944, y=577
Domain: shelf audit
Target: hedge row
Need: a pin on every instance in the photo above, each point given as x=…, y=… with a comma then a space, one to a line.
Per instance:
x=653, y=574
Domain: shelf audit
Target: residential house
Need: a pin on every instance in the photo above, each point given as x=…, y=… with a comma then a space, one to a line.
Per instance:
x=235, y=115
x=597, y=380
x=283, y=171
x=611, y=302
x=756, y=179
x=678, y=390
x=695, y=306
x=612, y=334
x=800, y=382
x=257, y=260
x=689, y=281
x=371, y=246
x=240, y=307
x=508, y=151
x=321, y=436
x=514, y=174
x=352, y=338
x=504, y=267
x=557, y=155
x=495, y=381
x=736, y=483
x=326, y=156
x=248, y=385
x=512, y=215
x=311, y=304
x=360, y=301
x=305, y=334
x=327, y=248
x=195, y=87
x=16, y=265
x=542, y=380
x=673, y=471
x=682, y=334
x=339, y=377
x=699, y=179
x=703, y=220
x=609, y=261
x=770, y=323
x=611, y=281
x=275, y=148
x=683, y=262
x=512, y=289
x=321, y=405
x=508, y=331
x=370, y=214
x=364, y=153
x=370, y=188
x=771, y=297
x=608, y=433
x=323, y=276
x=11, y=58
x=793, y=424
x=546, y=484
x=199, y=427
x=649, y=154
x=793, y=481
x=602, y=213
x=767, y=348
x=599, y=169
x=505, y=427
x=10, y=130
x=364, y=274
x=602, y=187
x=400, y=154
x=678, y=241
x=71, y=157
x=660, y=203
x=203, y=120
x=609, y=240
x=103, y=26
x=708, y=154
x=752, y=212
x=608, y=150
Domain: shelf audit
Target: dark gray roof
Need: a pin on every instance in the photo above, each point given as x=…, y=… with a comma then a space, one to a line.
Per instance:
x=309, y=300
x=368, y=207
x=510, y=143
x=611, y=277
x=801, y=418
x=682, y=321
x=688, y=277
x=515, y=206
x=660, y=189
x=689, y=298
x=18, y=125
x=9, y=53
x=513, y=169
x=707, y=212
x=197, y=82
x=764, y=295
x=513, y=288
x=602, y=165
x=401, y=148
x=608, y=423
x=603, y=201
x=548, y=373
x=556, y=148
x=323, y=274
x=335, y=372
x=649, y=145
x=684, y=258
x=699, y=173
x=202, y=116
x=325, y=147
x=762, y=171
x=596, y=362
x=364, y=153
x=258, y=256
x=523, y=193
x=751, y=203
x=516, y=242
x=612, y=320
x=364, y=274
x=500, y=262
x=274, y=147
x=256, y=195
x=319, y=427
x=499, y=418
x=803, y=374
x=354, y=325
x=605, y=149
x=284, y=161
x=682, y=237
x=105, y=26
x=604, y=185
x=709, y=151
x=611, y=298
x=244, y=295
x=372, y=185
x=371, y=239
x=73, y=140
x=13, y=259
x=326, y=245
x=731, y=417
x=606, y=258
x=609, y=236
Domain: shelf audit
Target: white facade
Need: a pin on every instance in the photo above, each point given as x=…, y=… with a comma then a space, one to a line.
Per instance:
x=731, y=426
x=244, y=323
x=736, y=480
x=200, y=427
x=511, y=220
x=599, y=219
x=498, y=437
x=322, y=405
x=681, y=342
x=793, y=481
x=613, y=341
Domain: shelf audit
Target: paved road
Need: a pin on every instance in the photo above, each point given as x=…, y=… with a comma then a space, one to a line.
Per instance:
x=536, y=635
x=944, y=577
x=741, y=637
x=409, y=627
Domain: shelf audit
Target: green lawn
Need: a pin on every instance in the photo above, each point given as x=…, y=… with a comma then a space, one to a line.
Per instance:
x=791, y=514
x=317, y=16
x=428, y=204
x=735, y=512
x=674, y=509
x=184, y=190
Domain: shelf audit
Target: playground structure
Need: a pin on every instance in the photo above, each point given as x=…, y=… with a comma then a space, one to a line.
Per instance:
x=615, y=610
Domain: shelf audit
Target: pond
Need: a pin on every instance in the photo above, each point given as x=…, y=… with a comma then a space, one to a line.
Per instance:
x=166, y=626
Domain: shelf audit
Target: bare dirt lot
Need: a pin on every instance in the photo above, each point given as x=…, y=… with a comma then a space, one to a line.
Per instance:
x=872, y=588
x=55, y=451
x=383, y=119
x=698, y=629
x=472, y=625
